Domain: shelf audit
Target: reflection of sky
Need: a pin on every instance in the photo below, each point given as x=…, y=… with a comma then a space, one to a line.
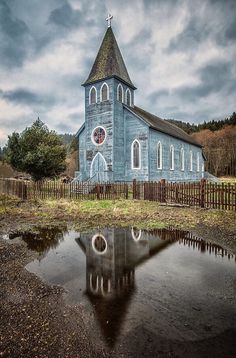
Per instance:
x=179, y=54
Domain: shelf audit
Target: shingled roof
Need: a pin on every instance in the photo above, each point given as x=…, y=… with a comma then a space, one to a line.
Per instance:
x=109, y=62
x=162, y=125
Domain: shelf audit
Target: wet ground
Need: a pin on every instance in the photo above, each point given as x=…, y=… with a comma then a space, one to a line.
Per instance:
x=142, y=293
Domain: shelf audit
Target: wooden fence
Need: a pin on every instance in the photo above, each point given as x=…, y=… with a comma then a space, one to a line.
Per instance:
x=56, y=190
x=199, y=194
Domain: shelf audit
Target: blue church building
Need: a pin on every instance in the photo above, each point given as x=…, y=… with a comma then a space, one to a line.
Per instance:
x=119, y=141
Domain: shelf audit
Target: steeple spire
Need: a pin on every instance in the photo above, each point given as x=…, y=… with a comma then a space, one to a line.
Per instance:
x=109, y=61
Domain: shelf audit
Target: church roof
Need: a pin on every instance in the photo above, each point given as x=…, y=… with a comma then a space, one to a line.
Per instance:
x=162, y=125
x=109, y=62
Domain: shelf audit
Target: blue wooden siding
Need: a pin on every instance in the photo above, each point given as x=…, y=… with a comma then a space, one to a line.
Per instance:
x=177, y=174
x=135, y=128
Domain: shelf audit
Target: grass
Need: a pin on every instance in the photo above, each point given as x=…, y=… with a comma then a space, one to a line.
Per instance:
x=87, y=213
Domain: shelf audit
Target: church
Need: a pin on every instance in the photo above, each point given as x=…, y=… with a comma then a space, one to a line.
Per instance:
x=120, y=141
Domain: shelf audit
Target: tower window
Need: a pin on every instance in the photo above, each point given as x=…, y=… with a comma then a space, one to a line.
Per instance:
x=136, y=154
x=104, y=93
x=92, y=95
x=120, y=93
x=128, y=97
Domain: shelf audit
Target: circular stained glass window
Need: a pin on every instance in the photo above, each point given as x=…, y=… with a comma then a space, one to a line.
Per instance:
x=99, y=135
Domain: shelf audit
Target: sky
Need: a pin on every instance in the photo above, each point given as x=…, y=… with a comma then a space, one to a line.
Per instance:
x=181, y=56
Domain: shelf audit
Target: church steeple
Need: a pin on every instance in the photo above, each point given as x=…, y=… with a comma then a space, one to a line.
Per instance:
x=109, y=62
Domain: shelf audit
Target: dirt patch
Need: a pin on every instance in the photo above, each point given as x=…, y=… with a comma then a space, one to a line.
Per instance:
x=35, y=321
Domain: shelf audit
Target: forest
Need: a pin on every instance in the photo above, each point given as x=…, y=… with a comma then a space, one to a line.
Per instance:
x=218, y=139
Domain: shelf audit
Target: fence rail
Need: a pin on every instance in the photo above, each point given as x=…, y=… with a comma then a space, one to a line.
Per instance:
x=199, y=194
x=202, y=194
x=56, y=190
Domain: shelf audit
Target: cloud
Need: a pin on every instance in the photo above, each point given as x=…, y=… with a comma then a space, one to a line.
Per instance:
x=66, y=16
x=26, y=97
x=214, y=77
x=179, y=54
x=14, y=36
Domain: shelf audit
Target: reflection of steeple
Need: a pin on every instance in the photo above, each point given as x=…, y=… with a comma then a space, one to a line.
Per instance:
x=111, y=258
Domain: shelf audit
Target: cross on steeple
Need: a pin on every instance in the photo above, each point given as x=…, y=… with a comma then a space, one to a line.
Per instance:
x=108, y=19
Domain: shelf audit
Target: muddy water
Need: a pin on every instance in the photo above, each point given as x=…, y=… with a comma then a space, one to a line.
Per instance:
x=145, y=290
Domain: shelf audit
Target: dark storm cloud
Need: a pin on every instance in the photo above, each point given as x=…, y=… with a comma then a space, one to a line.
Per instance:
x=154, y=96
x=214, y=77
x=193, y=34
x=14, y=37
x=230, y=33
x=26, y=97
x=66, y=16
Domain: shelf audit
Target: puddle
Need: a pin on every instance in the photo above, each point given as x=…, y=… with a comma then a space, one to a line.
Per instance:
x=138, y=285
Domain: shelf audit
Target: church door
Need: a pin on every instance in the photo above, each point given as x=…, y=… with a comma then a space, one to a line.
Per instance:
x=98, y=170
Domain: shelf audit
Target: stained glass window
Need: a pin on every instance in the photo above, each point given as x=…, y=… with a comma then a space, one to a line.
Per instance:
x=93, y=96
x=136, y=155
x=104, y=92
x=159, y=155
x=99, y=135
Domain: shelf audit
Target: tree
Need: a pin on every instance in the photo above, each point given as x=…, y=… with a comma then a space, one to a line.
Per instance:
x=37, y=151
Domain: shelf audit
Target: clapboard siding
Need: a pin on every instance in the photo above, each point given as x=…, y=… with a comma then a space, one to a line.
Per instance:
x=177, y=174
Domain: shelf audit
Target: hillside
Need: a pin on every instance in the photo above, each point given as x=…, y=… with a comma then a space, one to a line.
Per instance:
x=211, y=125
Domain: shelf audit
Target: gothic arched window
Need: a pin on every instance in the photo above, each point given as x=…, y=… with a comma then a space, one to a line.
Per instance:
x=128, y=97
x=92, y=95
x=172, y=157
x=159, y=155
x=136, y=154
x=191, y=161
x=104, y=93
x=182, y=158
x=198, y=162
x=120, y=93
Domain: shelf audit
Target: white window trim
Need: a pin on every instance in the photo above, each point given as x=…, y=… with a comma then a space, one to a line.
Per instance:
x=96, y=98
x=159, y=144
x=104, y=84
x=120, y=85
x=191, y=160
x=126, y=97
x=132, y=155
x=93, y=133
x=172, y=153
x=94, y=247
x=198, y=162
x=136, y=238
x=182, y=158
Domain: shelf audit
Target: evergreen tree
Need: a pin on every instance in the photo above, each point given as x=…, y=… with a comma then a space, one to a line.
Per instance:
x=37, y=151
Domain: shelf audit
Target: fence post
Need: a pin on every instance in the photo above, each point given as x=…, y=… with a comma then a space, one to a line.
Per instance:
x=126, y=191
x=98, y=191
x=134, y=189
x=163, y=190
x=203, y=191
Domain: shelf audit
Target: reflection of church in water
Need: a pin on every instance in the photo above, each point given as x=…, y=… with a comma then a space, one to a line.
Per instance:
x=112, y=255
x=111, y=258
